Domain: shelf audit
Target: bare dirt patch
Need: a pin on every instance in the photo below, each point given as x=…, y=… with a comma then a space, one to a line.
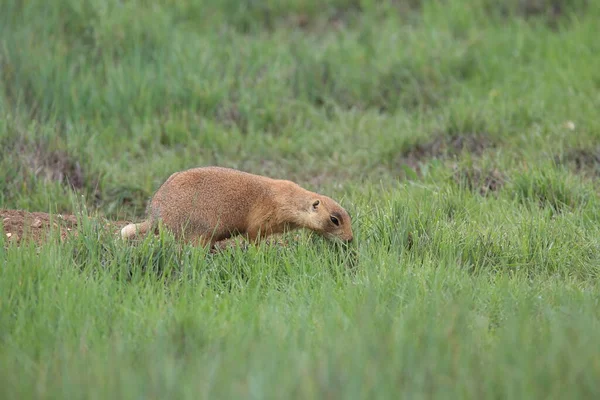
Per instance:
x=53, y=165
x=582, y=161
x=36, y=158
x=341, y=16
x=20, y=225
x=442, y=147
x=231, y=116
x=551, y=11
x=484, y=182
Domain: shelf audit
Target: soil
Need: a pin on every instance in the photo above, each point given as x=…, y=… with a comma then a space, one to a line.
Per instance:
x=445, y=147
x=584, y=161
x=39, y=160
x=484, y=182
x=20, y=225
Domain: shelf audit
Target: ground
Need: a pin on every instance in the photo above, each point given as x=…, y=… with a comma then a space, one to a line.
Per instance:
x=20, y=225
x=35, y=225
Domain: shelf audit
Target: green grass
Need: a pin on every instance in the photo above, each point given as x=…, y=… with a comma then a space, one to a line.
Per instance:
x=476, y=266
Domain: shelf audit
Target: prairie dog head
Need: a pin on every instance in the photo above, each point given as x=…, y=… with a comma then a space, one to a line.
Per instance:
x=330, y=219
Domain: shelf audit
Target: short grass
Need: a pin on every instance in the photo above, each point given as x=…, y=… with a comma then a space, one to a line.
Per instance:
x=463, y=136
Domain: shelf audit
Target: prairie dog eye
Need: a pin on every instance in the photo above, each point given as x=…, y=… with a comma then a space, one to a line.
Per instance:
x=334, y=220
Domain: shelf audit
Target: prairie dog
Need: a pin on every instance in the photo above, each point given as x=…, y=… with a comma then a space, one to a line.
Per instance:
x=208, y=204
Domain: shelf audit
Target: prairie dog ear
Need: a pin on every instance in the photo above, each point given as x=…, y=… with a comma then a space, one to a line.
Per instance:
x=315, y=204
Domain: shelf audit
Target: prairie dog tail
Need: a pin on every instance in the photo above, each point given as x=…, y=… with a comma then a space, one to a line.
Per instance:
x=132, y=229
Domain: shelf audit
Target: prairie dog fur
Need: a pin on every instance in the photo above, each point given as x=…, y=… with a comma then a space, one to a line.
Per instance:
x=208, y=204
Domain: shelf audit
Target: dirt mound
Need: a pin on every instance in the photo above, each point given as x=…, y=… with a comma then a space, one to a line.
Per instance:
x=20, y=225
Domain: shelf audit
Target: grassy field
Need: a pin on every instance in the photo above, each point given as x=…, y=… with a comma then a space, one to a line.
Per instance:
x=463, y=137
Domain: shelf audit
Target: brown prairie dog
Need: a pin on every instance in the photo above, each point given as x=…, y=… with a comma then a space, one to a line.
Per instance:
x=209, y=204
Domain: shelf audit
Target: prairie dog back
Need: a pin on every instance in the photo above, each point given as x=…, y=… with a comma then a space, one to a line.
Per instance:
x=208, y=197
